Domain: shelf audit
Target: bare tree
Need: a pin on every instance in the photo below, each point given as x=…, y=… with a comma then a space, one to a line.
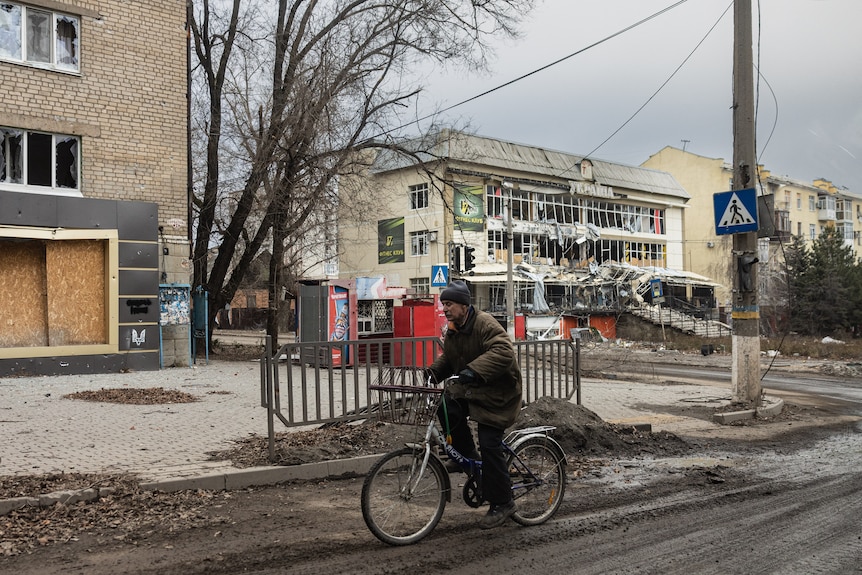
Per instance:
x=336, y=84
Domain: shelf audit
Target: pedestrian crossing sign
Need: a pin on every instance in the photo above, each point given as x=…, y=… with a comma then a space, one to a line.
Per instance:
x=735, y=211
x=439, y=276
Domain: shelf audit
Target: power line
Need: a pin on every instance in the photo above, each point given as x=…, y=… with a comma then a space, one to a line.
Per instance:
x=665, y=83
x=537, y=70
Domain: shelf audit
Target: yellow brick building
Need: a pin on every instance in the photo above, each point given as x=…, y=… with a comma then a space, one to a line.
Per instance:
x=787, y=207
x=94, y=212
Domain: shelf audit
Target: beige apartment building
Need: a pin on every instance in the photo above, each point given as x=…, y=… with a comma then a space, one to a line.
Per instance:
x=586, y=234
x=94, y=212
x=786, y=207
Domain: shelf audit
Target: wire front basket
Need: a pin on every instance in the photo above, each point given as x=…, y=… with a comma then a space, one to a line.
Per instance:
x=403, y=396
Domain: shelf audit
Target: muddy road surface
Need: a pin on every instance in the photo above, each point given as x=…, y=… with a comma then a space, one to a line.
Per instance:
x=786, y=504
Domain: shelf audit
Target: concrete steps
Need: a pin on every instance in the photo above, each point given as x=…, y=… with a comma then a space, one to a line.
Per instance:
x=682, y=321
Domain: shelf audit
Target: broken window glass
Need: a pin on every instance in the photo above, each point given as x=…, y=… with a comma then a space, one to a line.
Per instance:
x=39, y=152
x=67, y=42
x=10, y=31
x=52, y=160
x=67, y=162
x=38, y=36
x=11, y=161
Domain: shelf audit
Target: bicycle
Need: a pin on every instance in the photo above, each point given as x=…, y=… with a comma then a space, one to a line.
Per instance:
x=406, y=490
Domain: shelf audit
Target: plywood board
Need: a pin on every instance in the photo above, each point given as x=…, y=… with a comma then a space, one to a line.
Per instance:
x=76, y=292
x=22, y=294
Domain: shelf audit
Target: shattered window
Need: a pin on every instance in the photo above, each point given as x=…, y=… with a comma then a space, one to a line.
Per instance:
x=38, y=159
x=67, y=42
x=38, y=36
x=520, y=206
x=494, y=201
x=10, y=31
x=67, y=162
x=11, y=160
x=625, y=217
x=51, y=160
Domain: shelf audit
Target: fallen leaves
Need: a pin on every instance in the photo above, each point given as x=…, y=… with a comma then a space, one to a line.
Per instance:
x=128, y=514
x=135, y=396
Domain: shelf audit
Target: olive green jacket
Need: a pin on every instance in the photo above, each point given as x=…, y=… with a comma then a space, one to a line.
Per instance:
x=484, y=346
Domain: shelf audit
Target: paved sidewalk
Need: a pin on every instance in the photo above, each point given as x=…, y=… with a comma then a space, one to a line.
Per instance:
x=167, y=444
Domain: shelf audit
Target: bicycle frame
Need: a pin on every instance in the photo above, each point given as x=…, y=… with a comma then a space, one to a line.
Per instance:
x=434, y=436
x=406, y=491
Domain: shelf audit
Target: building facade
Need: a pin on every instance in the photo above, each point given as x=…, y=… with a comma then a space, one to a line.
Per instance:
x=94, y=212
x=445, y=206
x=787, y=207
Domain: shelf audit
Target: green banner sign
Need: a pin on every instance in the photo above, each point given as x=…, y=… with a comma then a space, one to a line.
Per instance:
x=390, y=241
x=469, y=212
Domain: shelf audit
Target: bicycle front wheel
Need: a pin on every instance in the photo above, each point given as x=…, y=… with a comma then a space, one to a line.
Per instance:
x=399, y=505
x=538, y=475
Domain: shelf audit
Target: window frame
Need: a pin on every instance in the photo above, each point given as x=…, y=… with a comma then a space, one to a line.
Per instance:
x=420, y=244
x=26, y=161
x=418, y=194
x=421, y=285
x=23, y=56
x=111, y=239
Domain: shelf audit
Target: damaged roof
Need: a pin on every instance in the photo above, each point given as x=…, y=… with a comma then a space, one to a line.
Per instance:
x=484, y=153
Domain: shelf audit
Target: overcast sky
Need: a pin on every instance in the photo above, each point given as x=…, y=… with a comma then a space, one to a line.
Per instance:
x=810, y=53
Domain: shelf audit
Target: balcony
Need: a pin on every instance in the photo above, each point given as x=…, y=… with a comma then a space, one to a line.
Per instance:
x=781, y=232
x=826, y=209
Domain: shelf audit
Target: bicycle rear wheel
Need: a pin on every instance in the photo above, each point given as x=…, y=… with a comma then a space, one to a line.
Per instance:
x=538, y=475
x=399, y=506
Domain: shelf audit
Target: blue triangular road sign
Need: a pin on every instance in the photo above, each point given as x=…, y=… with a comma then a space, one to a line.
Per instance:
x=735, y=211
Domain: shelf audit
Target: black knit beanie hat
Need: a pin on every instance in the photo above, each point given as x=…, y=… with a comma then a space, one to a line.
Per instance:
x=456, y=291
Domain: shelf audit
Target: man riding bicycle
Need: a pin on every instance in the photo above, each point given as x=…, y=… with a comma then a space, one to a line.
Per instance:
x=479, y=351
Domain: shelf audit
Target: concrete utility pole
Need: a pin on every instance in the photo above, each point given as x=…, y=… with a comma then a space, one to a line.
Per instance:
x=746, y=313
x=510, y=257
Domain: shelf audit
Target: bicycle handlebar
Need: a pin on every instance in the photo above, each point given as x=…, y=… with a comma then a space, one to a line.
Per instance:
x=451, y=379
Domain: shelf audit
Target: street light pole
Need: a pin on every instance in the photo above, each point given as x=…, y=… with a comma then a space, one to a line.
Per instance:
x=745, y=372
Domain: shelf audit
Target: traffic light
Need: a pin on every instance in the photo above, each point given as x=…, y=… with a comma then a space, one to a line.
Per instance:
x=746, y=279
x=454, y=258
x=469, y=258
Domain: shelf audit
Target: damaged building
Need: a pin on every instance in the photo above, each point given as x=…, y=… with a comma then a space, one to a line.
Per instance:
x=585, y=239
x=94, y=208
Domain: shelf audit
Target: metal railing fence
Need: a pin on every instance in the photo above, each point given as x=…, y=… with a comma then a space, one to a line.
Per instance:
x=314, y=383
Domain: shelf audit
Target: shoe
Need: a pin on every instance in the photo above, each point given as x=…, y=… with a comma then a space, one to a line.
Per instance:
x=497, y=515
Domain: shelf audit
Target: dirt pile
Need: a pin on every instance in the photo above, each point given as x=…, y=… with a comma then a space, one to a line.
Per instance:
x=578, y=430
x=581, y=432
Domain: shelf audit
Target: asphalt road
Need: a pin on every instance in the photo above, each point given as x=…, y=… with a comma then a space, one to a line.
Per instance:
x=845, y=391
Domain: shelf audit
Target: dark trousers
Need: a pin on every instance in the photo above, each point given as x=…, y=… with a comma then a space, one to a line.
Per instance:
x=496, y=483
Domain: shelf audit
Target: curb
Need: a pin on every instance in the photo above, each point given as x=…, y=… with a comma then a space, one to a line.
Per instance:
x=771, y=408
x=266, y=475
x=47, y=500
x=235, y=479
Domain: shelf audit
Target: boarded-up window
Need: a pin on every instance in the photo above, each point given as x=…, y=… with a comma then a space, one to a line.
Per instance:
x=23, y=294
x=52, y=293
